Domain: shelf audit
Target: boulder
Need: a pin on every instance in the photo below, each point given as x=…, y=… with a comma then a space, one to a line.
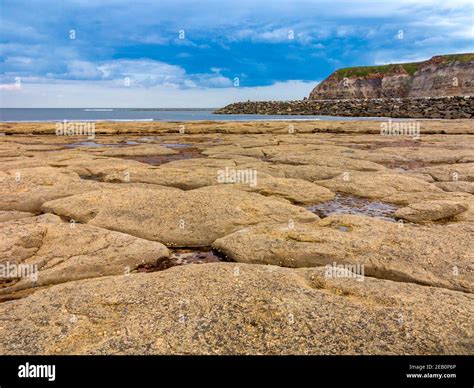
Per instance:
x=434, y=256
x=176, y=218
x=228, y=175
x=297, y=191
x=386, y=186
x=431, y=211
x=27, y=189
x=57, y=252
x=132, y=150
x=13, y=215
x=323, y=158
x=451, y=172
x=459, y=186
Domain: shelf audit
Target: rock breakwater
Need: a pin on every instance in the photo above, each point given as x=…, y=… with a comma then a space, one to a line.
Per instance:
x=454, y=107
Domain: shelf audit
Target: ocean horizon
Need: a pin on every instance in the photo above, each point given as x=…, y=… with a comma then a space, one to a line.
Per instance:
x=149, y=115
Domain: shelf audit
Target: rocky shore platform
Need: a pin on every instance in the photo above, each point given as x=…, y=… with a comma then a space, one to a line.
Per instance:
x=319, y=237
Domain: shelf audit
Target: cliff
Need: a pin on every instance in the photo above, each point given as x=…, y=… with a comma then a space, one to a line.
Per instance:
x=442, y=75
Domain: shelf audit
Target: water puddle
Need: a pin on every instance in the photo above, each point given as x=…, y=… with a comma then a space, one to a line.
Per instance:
x=348, y=204
x=85, y=144
x=148, y=139
x=94, y=144
x=184, y=257
x=194, y=140
x=176, y=145
x=94, y=178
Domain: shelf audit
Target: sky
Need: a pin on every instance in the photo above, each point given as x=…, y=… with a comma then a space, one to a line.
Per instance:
x=208, y=53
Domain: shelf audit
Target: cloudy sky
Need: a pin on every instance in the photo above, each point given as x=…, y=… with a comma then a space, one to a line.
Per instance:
x=207, y=53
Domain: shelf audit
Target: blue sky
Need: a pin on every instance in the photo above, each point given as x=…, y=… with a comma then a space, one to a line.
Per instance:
x=115, y=53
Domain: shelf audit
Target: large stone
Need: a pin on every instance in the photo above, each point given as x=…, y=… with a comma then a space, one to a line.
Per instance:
x=233, y=149
x=83, y=163
x=435, y=256
x=13, y=215
x=421, y=154
x=27, y=189
x=460, y=186
x=295, y=190
x=224, y=173
x=133, y=150
x=228, y=308
x=386, y=186
x=14, y=149
x=59, y=252
x=451, y=172
x=186, y=174
x=183, y=174
x=323, y=158
x=187, y=218
x=178, y=178
x=94, y=166
x=431, y=211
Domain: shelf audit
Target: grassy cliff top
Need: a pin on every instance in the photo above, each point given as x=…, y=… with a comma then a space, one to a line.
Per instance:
x=410, y=68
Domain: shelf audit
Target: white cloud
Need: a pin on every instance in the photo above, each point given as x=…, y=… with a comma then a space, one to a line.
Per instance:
x=91, y=94
x=148, y=73
x=351, y=33
x=150, y=39
x=269, y=34
x=83, y=70
x=10, y=87
x=19, y=31
x=143, y=72
x=132, y=73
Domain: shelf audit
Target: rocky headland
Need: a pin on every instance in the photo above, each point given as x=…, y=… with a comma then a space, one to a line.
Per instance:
x=237, y=238
x=440, y=76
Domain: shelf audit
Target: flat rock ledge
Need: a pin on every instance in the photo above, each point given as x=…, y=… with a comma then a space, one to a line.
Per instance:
x=44, y=250
x=193, y=218
x=97, y=221
x=229, y=308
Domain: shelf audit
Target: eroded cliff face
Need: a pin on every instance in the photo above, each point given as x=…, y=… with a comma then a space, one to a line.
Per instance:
x=444, y=75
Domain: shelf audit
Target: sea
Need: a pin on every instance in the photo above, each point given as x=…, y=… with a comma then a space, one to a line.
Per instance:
x=146, y=114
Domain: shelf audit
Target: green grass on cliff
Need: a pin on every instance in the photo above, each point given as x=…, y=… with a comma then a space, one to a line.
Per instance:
x=458, y=57
x=410, y=68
